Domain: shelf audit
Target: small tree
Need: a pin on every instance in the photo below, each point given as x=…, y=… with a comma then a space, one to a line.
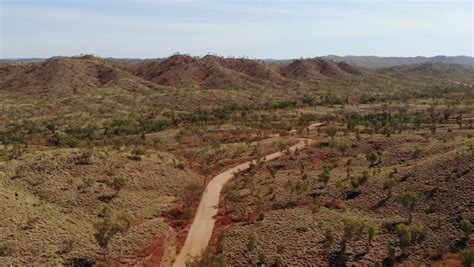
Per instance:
x=353, y=230
x=191, y=193
x=359, y=180
x=208, y=259
x=342, y=147
x=388, y=185
x=433, y=129
x=221, y=242
x=252, y=243
x=314, y=207
x=331, y=132
x=118, y=183
x=467, y=228
x=262, y=258
x=342, y=188
x=364, y=177
x=391, y=256
x=7, y=248
x=325, y=176
x=409, y=200
x=372, y=158
x=108, y=228
x=404, y=236
x=328, y=239
x=416, y=152
x=446, y=113
x=459, y=120
x=308, y=100
x=278, y=262
x=467, y=257
x=370, y=236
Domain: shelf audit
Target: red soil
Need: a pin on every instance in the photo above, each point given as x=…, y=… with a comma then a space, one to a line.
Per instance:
x=153, y=253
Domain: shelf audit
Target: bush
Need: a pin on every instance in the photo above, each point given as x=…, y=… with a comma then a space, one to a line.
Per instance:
x=234, y=196
x=372, y=158
x=252, y=242
x=404, y=235
x=342, y=188
x=409, y=235
x=308, y=100
x=360, y=180
x=328, y=238
x=325, y=176
x=281, y=104
x=388, y=185
x=7, y=248
x=330, y=100
x=118, y=183
x=467, y=257
x=353, y=231
x=88, y=181
x=107, y=228
x=147, y=126
x=81, y=132
x=188, y=213
x=121, y=127
x=61, y=139
x=191, y=193
x=331, y=132
x=408, y=200
x=467, y=228
x=221, y=241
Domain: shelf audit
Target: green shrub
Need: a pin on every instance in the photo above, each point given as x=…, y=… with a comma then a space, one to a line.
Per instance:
x=467, y=257
x=7, y=248
x=467, y=228
x=109, y=227
x=388, y=185
x=118, y=183
x=325, y=176
x=404, y=236
x=408, y=200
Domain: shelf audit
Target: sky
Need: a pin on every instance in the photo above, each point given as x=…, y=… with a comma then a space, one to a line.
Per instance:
x=264, y=29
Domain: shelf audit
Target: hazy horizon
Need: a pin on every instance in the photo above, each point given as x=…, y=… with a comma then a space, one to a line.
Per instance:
x=145, y=58
x=255, y=29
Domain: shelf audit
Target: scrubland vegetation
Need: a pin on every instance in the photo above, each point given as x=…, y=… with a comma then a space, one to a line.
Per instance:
x=104, y=162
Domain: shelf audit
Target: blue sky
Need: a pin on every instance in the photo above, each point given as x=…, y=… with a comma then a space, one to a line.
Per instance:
x=251, y=28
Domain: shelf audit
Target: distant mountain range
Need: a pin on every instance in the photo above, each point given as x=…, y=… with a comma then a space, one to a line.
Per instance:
x=371, y=62
x=384, y=62
x=69, y=74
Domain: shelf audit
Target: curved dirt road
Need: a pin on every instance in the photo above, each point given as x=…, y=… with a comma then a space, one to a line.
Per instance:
x=200, y=232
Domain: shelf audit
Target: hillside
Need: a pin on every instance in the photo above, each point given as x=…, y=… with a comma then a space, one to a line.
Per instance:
x=434, y=70
x=65, y=75
x=206, y=72
x=255, y=69
x=309, y=69
x=182, y=71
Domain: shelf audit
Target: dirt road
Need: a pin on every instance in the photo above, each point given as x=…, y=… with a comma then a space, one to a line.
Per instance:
x=200, y=232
